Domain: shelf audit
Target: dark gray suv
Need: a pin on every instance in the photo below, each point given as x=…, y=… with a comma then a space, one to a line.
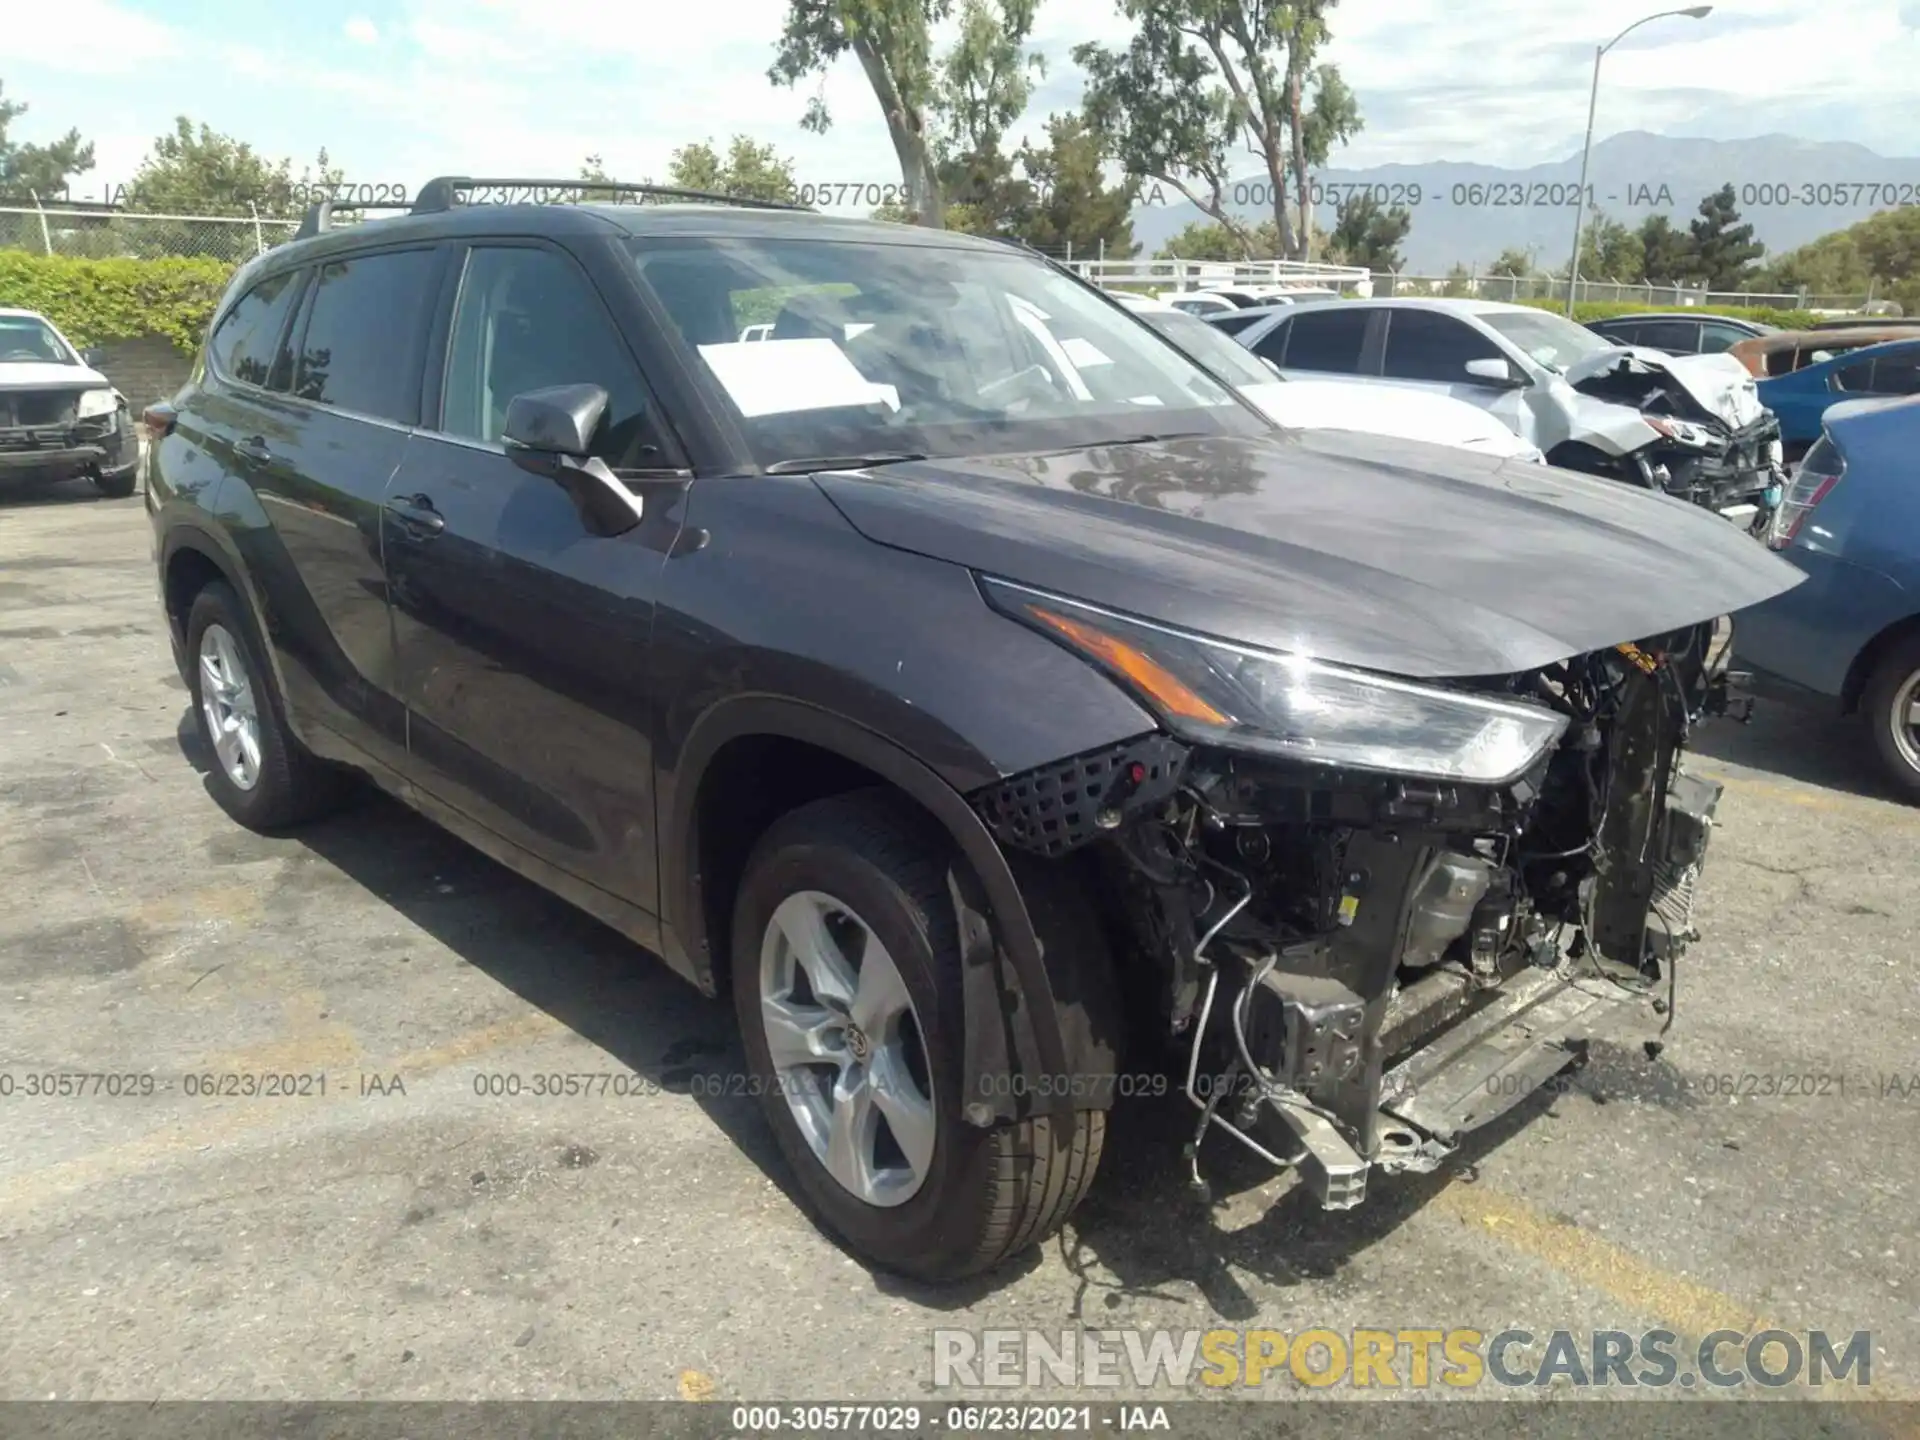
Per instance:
x=889, y=630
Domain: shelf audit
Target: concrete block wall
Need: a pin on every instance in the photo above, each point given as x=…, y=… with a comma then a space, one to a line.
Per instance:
x=145, y=369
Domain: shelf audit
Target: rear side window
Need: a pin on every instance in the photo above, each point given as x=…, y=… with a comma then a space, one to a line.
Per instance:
x=1857, y=378
x=359, y=348
x=1422, y=345
x=1716, y=338
x=1328, y=339
x=1679, y=335
x=1897, y=374
x=246, y=346
x=1273, y=345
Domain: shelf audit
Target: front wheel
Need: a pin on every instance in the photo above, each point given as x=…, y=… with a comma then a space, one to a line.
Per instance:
x=117, y=486
x=1892, y=706
x=846, y=977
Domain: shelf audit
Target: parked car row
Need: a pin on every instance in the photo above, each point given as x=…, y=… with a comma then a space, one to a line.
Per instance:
x=964, y=677
x=1692, y=426
x=1330, y=404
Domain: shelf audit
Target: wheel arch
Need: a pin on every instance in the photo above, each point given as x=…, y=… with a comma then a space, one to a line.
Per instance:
x=722, y=756
x=1860, y=672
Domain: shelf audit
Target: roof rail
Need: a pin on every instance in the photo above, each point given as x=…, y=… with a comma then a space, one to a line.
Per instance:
x=320, y=217
x=439, y=193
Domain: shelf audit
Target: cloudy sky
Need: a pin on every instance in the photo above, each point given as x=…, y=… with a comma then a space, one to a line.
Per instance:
x=403, y=90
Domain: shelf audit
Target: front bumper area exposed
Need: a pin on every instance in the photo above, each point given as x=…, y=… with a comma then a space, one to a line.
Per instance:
x=1357, y=969
x=99, y=445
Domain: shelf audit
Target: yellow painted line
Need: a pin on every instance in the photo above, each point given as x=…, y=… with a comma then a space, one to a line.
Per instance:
x=1811, y=797
x=225, y=1121
x=1682, y=1305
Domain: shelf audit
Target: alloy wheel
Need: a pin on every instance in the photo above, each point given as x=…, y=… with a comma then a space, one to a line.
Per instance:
x=1905, y=720
x=229, y=707
x=847, y=1049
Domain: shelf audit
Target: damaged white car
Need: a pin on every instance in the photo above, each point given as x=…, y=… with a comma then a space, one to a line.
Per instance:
x=1691, y=426
x=59, y=417
x=1324, y=404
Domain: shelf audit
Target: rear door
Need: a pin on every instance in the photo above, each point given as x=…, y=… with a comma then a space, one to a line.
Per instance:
x=320, y=475
x=523, y=638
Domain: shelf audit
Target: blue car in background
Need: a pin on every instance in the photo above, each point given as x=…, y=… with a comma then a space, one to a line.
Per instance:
x=1851, y=633
x=1801, y=398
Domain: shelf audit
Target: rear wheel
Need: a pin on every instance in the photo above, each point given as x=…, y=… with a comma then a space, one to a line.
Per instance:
x=1892, y=706
x=261, y=775
x=846, y=977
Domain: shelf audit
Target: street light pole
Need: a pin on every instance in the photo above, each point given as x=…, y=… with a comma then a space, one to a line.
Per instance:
x=1693, y=12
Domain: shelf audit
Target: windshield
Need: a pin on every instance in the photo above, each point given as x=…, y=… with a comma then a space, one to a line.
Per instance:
x=1208, y=344
x=1552, y=340
x=28, y=338
x=837, y=348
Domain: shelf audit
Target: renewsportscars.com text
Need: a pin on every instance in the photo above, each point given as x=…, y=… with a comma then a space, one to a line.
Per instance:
x=1415, y=1359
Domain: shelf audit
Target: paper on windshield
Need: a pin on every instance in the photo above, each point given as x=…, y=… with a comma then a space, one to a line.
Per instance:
x=778, y=377
x=1084, y=353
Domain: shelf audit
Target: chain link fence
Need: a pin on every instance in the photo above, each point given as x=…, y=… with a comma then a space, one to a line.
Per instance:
x=119, y=234
x=106, y=233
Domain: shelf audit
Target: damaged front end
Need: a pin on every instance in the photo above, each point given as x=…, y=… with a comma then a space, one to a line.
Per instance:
x=1373, y=914
x=1707, y=438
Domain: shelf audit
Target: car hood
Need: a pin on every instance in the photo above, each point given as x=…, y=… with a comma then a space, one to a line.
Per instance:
x=45, y=375
x=1382, y=553
x=1719, y=384
x=1385, y=410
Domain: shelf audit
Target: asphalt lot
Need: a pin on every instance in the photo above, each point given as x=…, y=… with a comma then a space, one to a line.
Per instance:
x=434, y=1242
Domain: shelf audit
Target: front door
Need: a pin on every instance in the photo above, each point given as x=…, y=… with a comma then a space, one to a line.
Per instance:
x=523, y=638
x=1429, y=351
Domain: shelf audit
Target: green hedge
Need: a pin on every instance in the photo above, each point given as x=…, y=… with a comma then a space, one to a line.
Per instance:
x=98, y=300
x=1586, y=310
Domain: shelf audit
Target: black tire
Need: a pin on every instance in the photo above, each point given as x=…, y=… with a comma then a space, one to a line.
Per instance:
x=987, y=1194
x=116, y=487
x=1891, y=687
x=291, y=786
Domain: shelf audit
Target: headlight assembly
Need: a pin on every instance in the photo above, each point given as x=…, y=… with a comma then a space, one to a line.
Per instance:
x=96, y=402
x=1681, y=432
x=1217, y=693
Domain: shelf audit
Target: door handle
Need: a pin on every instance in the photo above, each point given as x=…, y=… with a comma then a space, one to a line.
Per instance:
x=253, y=450
x=416, y=512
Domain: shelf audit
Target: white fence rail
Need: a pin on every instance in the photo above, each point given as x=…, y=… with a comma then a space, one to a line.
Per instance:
x=103, y=232
x=1651, y=297
x=1208, y=274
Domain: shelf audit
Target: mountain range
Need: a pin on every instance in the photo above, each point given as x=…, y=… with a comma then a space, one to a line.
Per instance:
x=1791, y=190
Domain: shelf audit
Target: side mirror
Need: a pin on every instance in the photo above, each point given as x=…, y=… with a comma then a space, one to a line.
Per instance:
x=1497, y=373
x=549, y=432
x=93, y=357
x=559, y=420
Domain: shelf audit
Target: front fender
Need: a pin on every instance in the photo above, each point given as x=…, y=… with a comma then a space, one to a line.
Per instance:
x=1003, y=981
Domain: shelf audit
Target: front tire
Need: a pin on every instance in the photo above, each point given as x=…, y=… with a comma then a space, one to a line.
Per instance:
x=846, y=978
x=117, y=487
x=1892, y=706
x=261, y=775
